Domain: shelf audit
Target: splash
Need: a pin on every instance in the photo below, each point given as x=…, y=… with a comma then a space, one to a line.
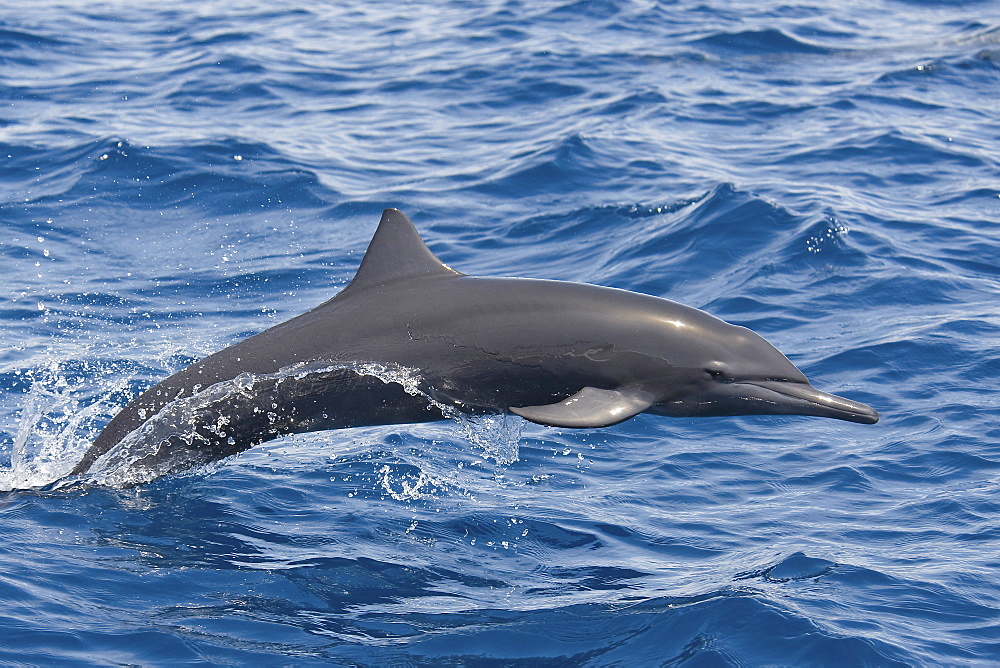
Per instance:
x=57, y=423
x=170, y=441
x=497, y=434
x=410, y=484
x=184, y=432
x=835, y=230
x=69, y=402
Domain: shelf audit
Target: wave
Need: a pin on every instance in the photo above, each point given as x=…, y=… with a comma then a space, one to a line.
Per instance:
x=175, y=180
x=773, y=42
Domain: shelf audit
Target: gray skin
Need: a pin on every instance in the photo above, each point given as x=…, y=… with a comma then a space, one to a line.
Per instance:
x=556, y=353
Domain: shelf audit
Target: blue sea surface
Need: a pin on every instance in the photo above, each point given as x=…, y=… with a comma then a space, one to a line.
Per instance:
x=174, y=178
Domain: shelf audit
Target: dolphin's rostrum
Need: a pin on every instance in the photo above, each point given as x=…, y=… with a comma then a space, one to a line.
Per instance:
x=556, y=353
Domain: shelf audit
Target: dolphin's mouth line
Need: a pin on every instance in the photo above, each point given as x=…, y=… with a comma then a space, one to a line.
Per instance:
x=752, y=380
x=803, y=395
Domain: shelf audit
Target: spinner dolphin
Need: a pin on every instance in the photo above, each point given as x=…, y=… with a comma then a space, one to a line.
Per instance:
x=410, y=339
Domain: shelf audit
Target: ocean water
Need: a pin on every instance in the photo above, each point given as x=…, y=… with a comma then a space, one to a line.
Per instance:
x=175, y=178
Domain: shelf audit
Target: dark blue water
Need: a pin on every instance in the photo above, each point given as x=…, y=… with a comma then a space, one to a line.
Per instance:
x=174, y=178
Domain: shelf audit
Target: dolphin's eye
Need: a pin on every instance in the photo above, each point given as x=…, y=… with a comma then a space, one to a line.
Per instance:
x=719, y=376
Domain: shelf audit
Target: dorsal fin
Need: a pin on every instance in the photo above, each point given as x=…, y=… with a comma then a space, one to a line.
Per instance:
x=397, y=253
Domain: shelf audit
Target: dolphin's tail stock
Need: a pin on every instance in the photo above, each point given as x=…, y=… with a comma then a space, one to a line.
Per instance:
x=232, y=416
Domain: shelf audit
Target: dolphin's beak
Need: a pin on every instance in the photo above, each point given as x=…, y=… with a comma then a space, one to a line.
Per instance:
x=796, y=398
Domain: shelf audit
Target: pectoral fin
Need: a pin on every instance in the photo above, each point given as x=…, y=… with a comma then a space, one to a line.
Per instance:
x=590, y=407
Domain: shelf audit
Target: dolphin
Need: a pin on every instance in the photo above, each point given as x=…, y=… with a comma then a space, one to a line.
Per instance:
x=412, y=340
